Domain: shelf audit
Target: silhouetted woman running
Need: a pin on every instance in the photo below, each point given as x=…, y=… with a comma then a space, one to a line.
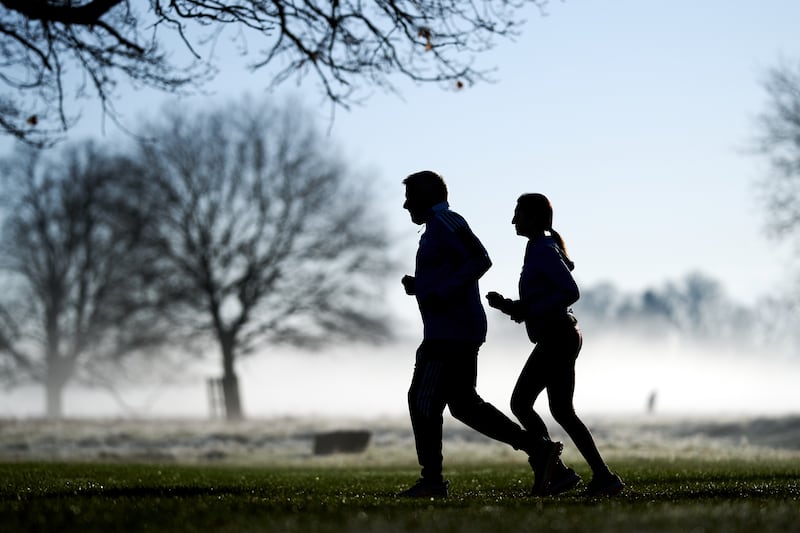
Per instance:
x=547, y=290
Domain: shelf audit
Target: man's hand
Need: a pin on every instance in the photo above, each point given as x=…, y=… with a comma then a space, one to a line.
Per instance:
x=408, y=285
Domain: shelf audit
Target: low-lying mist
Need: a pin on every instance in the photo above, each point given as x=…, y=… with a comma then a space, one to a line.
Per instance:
x=616, y=375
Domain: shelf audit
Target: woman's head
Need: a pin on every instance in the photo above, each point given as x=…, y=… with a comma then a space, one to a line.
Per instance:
x=533, y=215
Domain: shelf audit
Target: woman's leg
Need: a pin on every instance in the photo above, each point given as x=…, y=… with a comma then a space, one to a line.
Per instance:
x=544, y=460
x=530, y=384
x=560, y=391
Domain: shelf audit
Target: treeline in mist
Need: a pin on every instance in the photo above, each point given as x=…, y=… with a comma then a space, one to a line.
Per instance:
x=695, y=308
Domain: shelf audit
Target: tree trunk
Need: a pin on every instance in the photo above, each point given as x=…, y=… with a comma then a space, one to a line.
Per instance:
x=57, y=371
x=230, y=383
x=54, y=390
x=233, y=404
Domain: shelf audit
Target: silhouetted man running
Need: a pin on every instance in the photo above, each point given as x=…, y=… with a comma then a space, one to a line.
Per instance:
x=450, y=260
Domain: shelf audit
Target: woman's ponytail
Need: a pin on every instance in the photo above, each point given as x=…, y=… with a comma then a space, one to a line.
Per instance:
x=562, y=247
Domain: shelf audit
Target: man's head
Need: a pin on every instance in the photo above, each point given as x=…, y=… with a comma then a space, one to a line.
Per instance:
x=423, y=190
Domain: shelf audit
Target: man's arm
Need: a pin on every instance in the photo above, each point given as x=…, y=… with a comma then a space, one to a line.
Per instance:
x=468, y=259
x=477, y=261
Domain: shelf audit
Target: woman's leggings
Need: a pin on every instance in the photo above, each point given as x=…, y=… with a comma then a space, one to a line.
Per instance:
x=551, y=366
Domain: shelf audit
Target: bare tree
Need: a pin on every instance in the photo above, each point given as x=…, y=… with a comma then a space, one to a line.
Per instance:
x=76, y=301
x=779, y=141
x=270, y=238
x=346, y=44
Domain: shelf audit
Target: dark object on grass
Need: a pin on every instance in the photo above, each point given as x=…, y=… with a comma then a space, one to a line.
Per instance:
x=341, y=442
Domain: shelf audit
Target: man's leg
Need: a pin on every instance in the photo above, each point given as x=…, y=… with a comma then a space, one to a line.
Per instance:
x=468, y=407
x=426, y=404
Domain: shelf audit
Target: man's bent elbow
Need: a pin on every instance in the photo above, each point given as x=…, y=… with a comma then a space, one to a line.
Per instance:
x=486, y=264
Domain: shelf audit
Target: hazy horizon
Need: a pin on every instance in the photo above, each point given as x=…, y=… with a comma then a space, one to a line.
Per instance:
x=615, y=376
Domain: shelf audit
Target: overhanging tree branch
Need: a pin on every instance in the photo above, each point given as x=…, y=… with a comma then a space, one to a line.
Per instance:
x=64, y=13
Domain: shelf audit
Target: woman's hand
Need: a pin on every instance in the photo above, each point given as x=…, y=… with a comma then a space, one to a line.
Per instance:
x=509, y=307
x=497, y=301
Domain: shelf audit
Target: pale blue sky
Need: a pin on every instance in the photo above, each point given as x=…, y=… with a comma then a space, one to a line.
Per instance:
x=632, y=116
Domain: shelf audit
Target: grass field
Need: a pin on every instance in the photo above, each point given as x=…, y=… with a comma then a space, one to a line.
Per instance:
x=663, y=495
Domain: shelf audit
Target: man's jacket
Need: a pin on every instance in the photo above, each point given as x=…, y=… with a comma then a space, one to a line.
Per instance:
x=450, y=260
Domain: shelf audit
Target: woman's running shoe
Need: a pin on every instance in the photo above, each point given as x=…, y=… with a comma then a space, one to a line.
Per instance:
x=607, y=485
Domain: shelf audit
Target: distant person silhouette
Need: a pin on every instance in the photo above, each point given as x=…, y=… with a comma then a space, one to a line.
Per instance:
x=651, y=402
x=547, y=290
x=450, y=260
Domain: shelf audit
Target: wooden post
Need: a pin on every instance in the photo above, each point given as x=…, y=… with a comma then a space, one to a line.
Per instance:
x=216, y=401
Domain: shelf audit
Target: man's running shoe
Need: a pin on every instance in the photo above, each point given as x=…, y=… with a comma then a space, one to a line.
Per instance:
x=543, y=464
x=607, y=485
x=562, y=480
x=426, y=489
